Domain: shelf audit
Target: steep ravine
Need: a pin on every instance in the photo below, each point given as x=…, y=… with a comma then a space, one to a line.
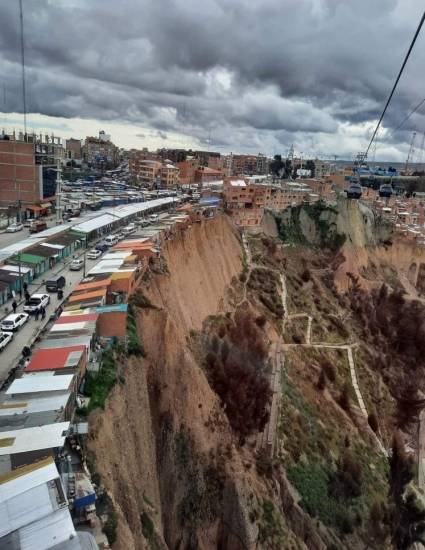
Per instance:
x=163, y=446
x=152, y=448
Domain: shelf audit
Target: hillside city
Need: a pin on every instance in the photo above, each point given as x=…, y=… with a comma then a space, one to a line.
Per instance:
x=212, y=342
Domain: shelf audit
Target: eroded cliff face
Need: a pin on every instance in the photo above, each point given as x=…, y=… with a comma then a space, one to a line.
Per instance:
x=163, y=446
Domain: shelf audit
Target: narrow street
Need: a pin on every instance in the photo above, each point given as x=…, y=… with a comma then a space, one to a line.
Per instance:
x=30, y=331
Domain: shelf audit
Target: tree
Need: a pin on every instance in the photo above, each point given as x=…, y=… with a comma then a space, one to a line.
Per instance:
x=344, y=398
x=309, y=165
x=373, y=422
x=321, y=382
x=276, y=165
x=408, y=515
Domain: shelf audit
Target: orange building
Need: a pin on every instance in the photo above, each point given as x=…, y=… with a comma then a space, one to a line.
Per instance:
x=187, y=170
x=204, y=174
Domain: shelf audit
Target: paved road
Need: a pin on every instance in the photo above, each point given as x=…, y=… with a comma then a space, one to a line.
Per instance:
x=26, y=335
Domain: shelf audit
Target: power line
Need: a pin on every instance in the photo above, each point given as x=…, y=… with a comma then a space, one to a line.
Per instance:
x=24, y=95
x=421, y=22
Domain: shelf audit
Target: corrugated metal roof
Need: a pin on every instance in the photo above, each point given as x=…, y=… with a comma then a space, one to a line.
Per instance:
x=52, y=342
x=29, y=258
x=94, y=284
x=30, y=406
x=52, y=359
x=33, y=439
x=80, y=326
x=66, y=318
x=87, y=296
x=37, y=384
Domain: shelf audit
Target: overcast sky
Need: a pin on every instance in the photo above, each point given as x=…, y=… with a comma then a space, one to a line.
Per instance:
x=231, y=75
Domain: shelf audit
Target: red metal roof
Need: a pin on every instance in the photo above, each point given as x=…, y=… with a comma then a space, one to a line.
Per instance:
x=77, y=318
x=51, y=359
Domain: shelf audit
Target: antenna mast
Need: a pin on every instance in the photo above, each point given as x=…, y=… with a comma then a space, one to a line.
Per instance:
x=24, y=95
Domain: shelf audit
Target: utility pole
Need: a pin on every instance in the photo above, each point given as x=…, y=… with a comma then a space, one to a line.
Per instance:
x=20, y=273
x=58, y=193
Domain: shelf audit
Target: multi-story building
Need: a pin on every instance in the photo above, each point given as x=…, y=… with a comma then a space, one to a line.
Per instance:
x=173, y=155
x=245, y=202
x=28, y=171
x=74, y=149
x=188, y=170
x=149, y=173
x=19, y=174
x=205, y=157
x=247, y=165
x=204, y=174
x=100, y=151
x=137, y=157
x=169, y=176
x=322, y=169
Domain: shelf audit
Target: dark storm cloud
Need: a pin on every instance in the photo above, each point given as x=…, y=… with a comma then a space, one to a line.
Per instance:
x=254, y=74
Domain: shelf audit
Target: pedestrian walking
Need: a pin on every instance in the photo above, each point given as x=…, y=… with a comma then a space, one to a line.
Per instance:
x=36, y=314
x=27, y=296
x=25, y=287
x=43, y=312
x=14, y=306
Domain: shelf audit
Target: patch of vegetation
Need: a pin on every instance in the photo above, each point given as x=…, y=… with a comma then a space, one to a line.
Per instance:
x=134, y=345
x=147, y=526
x=235, y=366
x=139, y=299
x=98, y=384
x=105, y=507
x=270, y=528
x=203, y=484
x=290, y=229
x=266, y=284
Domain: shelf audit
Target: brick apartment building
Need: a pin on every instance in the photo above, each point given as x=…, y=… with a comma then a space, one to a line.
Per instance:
x=187, y=170
x=19, y=173
x=100, y=151
x=154, y=173
x=246, y=165
x=245, y=202
x=74, y=150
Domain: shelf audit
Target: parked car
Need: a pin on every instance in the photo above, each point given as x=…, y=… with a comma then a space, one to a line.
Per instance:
x=129, y=229
x=28, y=222
x=53, y=285
x=111, y=240
x=5, y=338
x=94, y=254
x=76, y=265
x=14, y=321
x=37, y=227
x=36, y=301
x=103, y=246
x=154, y=217
x=120, y=236
x=14, y=227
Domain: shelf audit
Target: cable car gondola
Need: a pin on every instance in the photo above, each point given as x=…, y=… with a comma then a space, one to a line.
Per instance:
x=386, y=190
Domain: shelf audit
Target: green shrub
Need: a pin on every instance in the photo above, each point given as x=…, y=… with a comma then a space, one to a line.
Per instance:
x=99, y=384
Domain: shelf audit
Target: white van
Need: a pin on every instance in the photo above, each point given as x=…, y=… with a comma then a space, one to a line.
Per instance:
x=111, y=240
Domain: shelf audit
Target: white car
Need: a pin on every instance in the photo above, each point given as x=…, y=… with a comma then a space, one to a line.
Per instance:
x=76, y=265
x=111, y=240
x=5, y=338
x=129, y=229
x=14, y=227
x=94, y=254
x=14, y=321
x=36, y=301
